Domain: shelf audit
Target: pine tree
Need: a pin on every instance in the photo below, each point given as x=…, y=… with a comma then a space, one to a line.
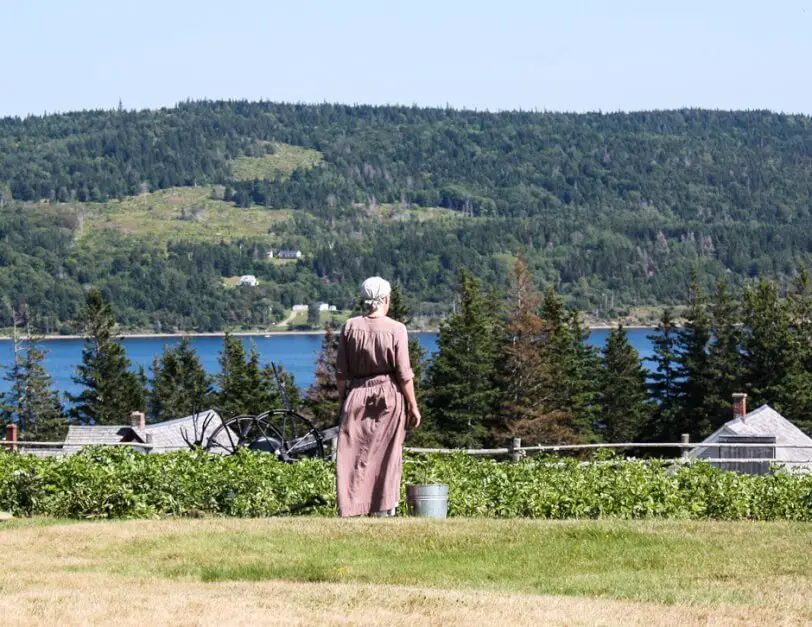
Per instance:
x=32, y=403
x=725, y=355
x=322, y=397
x=695, y=378
x=623, y=397
x=463, y=394
x=180, y=385
x=111, y=390
x=663, y=386
x=523, y=371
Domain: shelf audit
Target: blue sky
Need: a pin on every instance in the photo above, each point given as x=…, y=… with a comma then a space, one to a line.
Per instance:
x=59, y=55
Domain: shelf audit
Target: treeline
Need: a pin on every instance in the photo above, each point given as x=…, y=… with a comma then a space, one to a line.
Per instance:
x=694, y=164
x=598, y=265
x=506, y=366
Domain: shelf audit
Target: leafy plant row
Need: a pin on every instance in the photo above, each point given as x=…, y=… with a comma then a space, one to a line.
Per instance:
x=121, y=483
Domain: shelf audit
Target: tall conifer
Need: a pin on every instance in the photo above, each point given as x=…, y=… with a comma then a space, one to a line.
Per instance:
x=623, y=399
x=180, y=385
x=725, y=355
x=322, y=396
x=663, y=386
x=111, y=390
x=463, y=395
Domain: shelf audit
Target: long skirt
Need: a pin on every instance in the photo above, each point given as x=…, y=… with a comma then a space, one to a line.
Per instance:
x=369, y=460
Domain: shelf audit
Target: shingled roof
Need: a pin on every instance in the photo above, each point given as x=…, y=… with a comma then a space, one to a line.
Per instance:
x=764, y=421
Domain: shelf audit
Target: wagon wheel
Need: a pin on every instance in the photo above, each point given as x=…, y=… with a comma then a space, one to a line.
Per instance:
x=286, y=434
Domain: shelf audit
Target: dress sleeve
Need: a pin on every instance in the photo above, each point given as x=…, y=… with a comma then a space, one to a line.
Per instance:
x=341, y=356
x=403, y=368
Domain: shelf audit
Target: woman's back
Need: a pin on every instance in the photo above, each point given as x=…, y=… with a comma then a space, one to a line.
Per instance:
x=371, y=346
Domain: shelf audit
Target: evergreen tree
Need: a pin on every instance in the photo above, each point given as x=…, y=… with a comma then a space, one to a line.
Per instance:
x=180, y=385
x=800, y=304
x=523, y=371
x=111, y=390
x=725, y=355
x=695, y=377
x=663, y=387
x=31, y=402
x=771, y=354
x=244, y=386
x=322, y=397
x=571, y=366
x=623, y=398
x=463, y=394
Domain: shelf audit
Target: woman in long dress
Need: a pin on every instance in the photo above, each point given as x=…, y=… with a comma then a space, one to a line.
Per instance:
x=376, y=391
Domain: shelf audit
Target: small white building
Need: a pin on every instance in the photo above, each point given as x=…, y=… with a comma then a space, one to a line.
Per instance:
x=764, y=427
x=249, y=279
x=333, y=308
x=289, y=254
x=323, y=306
x=300, y=308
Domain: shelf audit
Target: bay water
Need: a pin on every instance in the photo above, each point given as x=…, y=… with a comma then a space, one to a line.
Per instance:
x=297, y=353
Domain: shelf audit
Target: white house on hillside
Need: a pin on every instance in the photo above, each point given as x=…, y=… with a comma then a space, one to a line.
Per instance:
x=249, y=279
x=761, y=426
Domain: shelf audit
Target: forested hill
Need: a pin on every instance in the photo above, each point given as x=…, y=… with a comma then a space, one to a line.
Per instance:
x=613, y=209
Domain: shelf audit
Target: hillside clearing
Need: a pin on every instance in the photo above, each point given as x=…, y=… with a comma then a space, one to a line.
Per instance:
x=279, y=164
x=178, y=213
x=306, y=570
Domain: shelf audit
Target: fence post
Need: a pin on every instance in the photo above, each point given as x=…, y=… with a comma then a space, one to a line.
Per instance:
x=685, y=438
x=11, y=436
x=515, y=449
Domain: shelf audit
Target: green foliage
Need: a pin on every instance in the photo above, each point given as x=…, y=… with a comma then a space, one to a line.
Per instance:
x=463, y=395
x=725, y=355
x=111, y=390
x=663, y=380
x=623, y=399
x=180, y=385
x=31, y=402
x=245, y=387
x=122, y=483
x=322, y=397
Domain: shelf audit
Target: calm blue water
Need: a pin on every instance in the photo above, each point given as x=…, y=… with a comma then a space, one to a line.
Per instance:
x=297, y=353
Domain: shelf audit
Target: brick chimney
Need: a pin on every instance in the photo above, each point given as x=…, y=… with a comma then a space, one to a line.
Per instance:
x=11, y=437
x=739, y=405
x=138, y=420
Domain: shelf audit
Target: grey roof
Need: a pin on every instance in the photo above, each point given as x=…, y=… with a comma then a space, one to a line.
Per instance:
x=764, y=421
x=79, y=436
x=39, y=451
x=169, y=435
x=164, y=436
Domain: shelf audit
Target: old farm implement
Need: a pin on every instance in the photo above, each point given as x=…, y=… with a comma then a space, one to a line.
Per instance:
x=285, y=433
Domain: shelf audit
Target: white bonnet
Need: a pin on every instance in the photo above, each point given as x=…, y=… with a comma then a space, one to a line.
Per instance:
x=374, y=290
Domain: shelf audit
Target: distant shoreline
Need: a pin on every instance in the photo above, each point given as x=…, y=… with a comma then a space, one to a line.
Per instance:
x=268, y=334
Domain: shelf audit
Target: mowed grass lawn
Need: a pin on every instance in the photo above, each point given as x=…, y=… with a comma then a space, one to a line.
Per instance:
x=405, y=571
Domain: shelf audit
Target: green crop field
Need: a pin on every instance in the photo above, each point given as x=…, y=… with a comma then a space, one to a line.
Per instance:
x=463, y=571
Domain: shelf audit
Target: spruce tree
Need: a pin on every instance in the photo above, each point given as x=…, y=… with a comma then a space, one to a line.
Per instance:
x=111, y=390
x=571, y=366
x=623, y=398
x=695, y=380
x=463, y=394
x=523, y=374
x=322, y=396
x=725, y=355
x=244, y=386
x=772, y=357
x=663, y=386
x=31, y=402
x=180, y=385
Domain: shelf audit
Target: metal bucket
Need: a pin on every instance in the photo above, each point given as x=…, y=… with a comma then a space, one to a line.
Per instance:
x=428, y=500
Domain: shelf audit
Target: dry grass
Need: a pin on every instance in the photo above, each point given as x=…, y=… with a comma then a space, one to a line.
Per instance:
x=128, y=573
x=281, y=163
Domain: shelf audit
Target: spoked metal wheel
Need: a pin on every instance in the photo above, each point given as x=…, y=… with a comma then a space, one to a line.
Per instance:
x=286, y=434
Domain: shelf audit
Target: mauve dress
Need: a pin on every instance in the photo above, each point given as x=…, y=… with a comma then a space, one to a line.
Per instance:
x=373, y=358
